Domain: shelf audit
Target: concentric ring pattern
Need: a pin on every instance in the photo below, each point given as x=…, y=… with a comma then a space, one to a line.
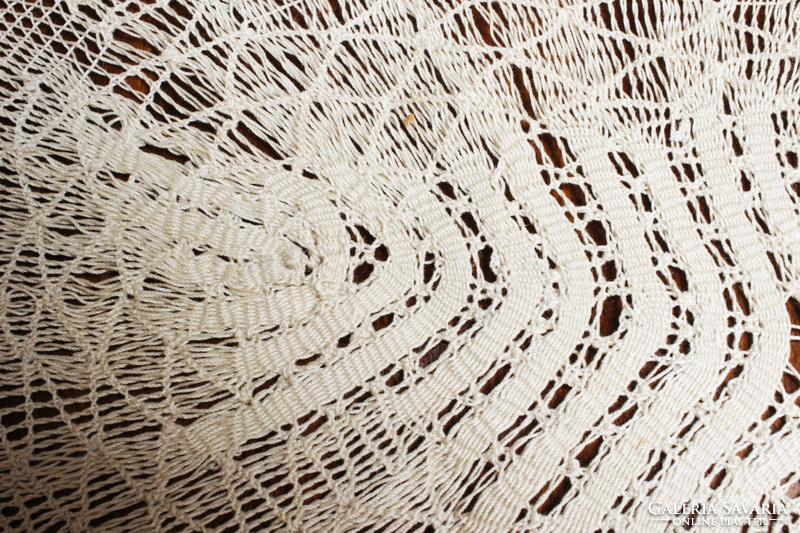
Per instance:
x=397, y=266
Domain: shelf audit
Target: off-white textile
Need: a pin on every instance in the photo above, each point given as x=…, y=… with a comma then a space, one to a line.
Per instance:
x=398, y=266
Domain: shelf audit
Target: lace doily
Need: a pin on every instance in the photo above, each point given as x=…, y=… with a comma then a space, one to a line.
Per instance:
x=399, y=266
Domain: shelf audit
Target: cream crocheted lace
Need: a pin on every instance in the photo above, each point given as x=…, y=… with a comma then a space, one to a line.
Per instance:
x=399, y=265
